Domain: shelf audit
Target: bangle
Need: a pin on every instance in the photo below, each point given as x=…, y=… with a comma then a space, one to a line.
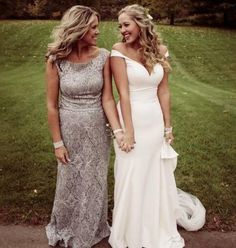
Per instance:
x=58, y=144
x=168, y=130
x=117, y=130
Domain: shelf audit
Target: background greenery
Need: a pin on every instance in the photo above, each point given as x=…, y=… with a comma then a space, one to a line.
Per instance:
x=204, y=119
x=190, y=12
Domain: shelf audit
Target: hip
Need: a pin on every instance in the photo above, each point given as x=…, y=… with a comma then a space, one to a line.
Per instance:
x=90, y=117
x=143, y=113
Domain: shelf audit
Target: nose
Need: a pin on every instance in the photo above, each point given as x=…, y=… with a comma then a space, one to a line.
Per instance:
x=97, y=31
x=123, y=29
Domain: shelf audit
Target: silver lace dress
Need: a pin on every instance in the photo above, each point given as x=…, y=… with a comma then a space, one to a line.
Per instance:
x=79, y=215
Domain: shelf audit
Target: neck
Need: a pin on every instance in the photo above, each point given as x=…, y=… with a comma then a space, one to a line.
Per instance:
x=135, y=45
x=81, y=49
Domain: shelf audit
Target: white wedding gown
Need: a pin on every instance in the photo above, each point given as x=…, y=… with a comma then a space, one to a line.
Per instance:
x=147, y=205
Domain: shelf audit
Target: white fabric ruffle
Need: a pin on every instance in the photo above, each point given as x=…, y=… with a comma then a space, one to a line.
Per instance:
x=191, y=212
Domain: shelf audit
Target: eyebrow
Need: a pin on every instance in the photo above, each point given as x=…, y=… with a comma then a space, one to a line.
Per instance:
x=125, y=22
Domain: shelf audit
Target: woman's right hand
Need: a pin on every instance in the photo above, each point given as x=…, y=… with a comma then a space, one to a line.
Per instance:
x=127, y=144
x=62, y=155
x=119, y=137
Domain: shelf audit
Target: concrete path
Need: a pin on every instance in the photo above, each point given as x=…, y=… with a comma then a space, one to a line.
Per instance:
x=18, y=236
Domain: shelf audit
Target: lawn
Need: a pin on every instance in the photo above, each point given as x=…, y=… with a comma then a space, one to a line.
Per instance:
x=203, y=90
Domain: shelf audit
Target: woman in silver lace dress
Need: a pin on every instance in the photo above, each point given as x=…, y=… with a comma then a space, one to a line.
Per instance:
x=78, y=89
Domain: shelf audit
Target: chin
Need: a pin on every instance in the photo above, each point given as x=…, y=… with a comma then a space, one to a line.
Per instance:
x=92, y=44
x=130, y=41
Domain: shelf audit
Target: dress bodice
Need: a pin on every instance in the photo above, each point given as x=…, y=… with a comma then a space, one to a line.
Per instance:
x=142, y=84
x=81, y=83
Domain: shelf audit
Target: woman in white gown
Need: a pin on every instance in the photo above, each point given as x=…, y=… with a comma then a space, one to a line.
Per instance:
x=147, y=205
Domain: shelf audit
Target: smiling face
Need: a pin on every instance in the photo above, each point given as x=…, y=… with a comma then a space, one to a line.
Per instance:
x=128, y=28
x=90, y=38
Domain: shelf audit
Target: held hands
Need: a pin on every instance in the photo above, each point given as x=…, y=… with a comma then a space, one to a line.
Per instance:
x=119, y=136
x=125, y=140
x=127, y=144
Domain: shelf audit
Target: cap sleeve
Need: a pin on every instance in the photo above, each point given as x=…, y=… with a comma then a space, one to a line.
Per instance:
x=105, y=54
x=115, y=53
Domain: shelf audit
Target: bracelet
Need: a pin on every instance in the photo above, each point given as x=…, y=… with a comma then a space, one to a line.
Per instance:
x=58, y=144
x=117, y=130
x=168, y=130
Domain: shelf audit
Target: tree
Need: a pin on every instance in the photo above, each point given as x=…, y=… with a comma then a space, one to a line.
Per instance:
x=36, y=9
x=227, y=8
x=14, y=9
x=167, y=8
x=91, y=3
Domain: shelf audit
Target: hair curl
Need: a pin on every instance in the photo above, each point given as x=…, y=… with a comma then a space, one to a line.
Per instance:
x=149, y=40
x=74, y=25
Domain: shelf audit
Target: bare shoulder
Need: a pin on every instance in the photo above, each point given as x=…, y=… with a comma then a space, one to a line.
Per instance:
x=50, y=66
x=120, y=47
x=49, y=63
x=163, y=49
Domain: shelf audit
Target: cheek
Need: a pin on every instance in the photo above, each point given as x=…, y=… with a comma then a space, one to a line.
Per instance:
x=136, y=33
x=87, y=36
x=135, y=30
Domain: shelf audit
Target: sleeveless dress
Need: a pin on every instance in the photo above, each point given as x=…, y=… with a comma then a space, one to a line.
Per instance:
x=79, y=215
x=146, y=203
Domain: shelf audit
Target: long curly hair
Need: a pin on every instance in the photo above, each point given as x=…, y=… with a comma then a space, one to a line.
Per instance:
x=74, y=25
x=149, y=39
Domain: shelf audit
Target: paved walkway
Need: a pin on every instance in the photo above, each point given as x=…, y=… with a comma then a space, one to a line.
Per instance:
x=18, y=236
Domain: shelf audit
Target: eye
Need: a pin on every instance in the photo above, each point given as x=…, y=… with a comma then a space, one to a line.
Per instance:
x=124, y=24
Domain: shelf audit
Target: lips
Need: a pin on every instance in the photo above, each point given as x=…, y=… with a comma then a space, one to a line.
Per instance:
x=126, y=36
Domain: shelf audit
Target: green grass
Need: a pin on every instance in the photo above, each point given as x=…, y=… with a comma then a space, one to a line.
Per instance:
x=203, y=112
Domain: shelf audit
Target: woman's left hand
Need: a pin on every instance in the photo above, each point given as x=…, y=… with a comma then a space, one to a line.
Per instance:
x=169, y=138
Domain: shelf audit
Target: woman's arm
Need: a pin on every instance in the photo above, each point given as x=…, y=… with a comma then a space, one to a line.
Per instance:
x=164, y=98
x=109, y=104
x=52, y=107
x=121, y=80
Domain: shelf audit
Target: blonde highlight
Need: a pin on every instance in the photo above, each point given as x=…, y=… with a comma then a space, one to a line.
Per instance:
x=149, y=39
x=74, y=25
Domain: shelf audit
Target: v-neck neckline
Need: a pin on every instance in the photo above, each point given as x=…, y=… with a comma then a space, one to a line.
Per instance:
x=135, y=61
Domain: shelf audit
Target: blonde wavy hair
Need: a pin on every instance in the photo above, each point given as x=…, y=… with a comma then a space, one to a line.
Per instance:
x=149, y=40
x=74, y=25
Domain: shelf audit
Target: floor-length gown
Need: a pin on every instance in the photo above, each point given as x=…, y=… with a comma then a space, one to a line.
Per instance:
x=146, y=202
x=79, y=215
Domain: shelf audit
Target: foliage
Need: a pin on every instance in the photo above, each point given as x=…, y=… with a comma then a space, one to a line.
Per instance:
x=203, y=12
x=37, y=8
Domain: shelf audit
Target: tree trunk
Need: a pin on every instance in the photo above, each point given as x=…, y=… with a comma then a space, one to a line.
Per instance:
x=226, y=18
x=172, y=18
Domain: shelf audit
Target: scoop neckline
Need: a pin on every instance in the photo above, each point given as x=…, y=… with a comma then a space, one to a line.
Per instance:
x=84, y=63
